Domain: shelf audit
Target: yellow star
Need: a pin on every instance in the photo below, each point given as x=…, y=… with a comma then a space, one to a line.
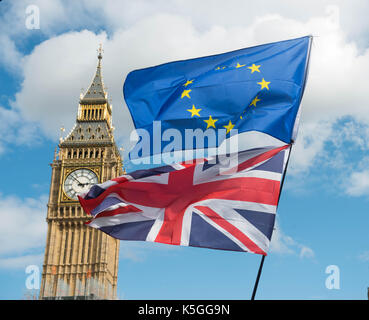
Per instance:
x=194, y=111
x=186, y=93
x=264, y=84
x=218, y=68
x=240, y=65
x=211, y=122
x=254, y=68
x=229, y=127
x=253, y=103
x=188, y=82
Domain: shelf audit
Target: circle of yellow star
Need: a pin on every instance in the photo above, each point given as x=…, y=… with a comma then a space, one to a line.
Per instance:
x=253, y=102
x=188, y=82
x=264, y=84
x=186, y=93
x=254, y=68
x=211, y=122
x=194, y=111
x=230, y=126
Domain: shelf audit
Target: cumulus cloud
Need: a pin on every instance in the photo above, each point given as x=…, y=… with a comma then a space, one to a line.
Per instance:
x=358, y=183
x=54, y=74
x=11, y=59
x=284, y=244
x=14, y=130
x=21, y=262
x=23, y=226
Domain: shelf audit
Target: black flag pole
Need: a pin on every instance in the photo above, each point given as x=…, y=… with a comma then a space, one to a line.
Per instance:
x=257, y=278
x=263, y=257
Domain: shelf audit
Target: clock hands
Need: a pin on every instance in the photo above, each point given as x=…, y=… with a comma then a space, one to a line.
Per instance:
x=84, y=184
x=79, y=183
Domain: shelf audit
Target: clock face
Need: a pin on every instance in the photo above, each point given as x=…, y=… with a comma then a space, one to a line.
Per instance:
x=79, y=181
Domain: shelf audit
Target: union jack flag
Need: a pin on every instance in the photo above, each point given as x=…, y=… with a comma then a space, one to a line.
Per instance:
x=195, y=204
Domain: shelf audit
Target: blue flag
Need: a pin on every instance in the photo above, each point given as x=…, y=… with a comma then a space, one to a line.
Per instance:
x=258, y=88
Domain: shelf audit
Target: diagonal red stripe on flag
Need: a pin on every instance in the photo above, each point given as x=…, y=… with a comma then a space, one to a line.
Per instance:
x=211, y=214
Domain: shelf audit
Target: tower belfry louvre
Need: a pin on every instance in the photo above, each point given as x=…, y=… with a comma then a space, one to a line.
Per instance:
x=82, y=262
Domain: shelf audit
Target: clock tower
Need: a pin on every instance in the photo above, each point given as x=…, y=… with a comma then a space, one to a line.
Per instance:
x=82, y=262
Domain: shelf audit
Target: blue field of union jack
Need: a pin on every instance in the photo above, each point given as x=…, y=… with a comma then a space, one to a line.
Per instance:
x=195, y=204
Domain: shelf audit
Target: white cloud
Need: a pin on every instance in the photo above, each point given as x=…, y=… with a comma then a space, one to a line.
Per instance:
x=358, y=183
x=306, y=252
x=15, y=130
x=23, y=225
x=364, y=256
x=21, y=262
x=284, y=244
x=11, y=58
x=54, y=74
x=310, y=143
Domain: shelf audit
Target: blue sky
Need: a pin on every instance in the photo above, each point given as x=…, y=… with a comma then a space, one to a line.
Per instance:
x=323, y=212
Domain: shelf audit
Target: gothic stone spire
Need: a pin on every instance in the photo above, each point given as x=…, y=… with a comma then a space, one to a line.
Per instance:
x=96, y=93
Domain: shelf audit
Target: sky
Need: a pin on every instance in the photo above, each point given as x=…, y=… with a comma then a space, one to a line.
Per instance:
x=322, y=218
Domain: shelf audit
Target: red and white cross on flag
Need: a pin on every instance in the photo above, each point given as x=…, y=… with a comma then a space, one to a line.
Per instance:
x=194, y=204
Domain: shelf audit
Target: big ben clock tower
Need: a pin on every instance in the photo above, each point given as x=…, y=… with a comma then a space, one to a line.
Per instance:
x=82, y=262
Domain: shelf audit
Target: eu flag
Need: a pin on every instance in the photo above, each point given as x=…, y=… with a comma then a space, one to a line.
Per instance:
x=258, y=88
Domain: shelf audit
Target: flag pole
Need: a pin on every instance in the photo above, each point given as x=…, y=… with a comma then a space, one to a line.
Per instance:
x=257, y=278
x=263, y=257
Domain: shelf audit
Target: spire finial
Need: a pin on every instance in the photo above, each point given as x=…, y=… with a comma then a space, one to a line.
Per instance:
x=62, y=129
x=100, y=52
